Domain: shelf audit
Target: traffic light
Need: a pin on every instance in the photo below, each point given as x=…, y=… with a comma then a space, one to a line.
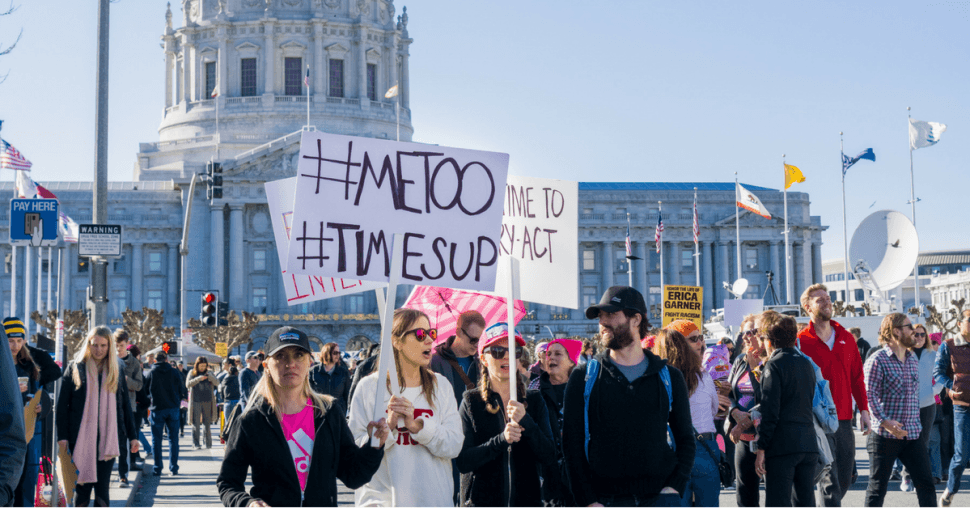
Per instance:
x=213, y=172
x=223, y=310
x=210, y=302
x=171, y=348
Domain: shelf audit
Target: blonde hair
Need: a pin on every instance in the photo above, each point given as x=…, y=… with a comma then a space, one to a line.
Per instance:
x=267, y=389
x=814, y=287
x=748, y=319
x=890, y=323
x=83, y=355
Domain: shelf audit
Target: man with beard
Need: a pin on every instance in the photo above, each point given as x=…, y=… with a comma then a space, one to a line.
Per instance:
x=615, y=425
x=953, y=372
x=834, y=350
x=892, y=381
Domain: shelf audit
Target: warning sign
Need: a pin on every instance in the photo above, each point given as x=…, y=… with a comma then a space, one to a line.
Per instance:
x=683, y=302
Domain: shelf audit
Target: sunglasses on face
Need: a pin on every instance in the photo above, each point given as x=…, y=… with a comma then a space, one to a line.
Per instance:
x=499, y=352
x=471, y=338
x=920, y=334
x=750, y=332
x=423, y=334
x=695, y=339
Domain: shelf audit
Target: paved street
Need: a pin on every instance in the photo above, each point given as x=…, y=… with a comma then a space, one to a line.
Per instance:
x=195, y=484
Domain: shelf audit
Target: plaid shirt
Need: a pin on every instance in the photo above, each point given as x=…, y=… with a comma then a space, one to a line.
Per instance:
x=893, y=389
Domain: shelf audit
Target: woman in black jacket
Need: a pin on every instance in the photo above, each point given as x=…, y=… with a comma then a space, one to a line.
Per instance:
x=787, y=450
x=93, y=390
x=494, y=426
x=745, y=394
x=272, y=437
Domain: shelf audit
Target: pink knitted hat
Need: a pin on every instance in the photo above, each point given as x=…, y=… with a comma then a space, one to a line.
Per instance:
x=573, y=348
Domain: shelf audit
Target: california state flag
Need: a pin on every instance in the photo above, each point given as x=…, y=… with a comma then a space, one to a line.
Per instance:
x=750, y=202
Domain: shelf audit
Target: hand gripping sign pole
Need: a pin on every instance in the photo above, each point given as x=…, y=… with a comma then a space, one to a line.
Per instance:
x=385, y=363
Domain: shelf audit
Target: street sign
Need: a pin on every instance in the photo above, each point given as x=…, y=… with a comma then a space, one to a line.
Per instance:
x=33, y=222
x=99, y=240
x=222, y=349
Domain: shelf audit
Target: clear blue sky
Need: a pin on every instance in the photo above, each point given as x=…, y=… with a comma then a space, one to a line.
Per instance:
x=591, y=91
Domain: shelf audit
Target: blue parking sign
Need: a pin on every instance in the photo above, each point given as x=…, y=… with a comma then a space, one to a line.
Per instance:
x=33, y=222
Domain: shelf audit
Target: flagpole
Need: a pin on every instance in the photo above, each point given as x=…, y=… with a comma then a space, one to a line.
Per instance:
x=787, y=253
x=845, y=239
x=40, y=280
x=629, y=264
x=13, y=280
x=308, y=97
x=50, y=269
x=28, y=258
x=737, y=224
x=397, y=111
x=660, y=214
x=912, y=201
x=217, y=123
x=697, y=252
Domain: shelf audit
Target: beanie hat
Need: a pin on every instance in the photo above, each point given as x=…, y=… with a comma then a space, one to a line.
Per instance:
x=648, y=342
x=684, y=326
x=573, y=348
x=14, y=327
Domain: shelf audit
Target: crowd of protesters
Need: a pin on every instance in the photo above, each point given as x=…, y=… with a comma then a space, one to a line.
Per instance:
x=631, y=417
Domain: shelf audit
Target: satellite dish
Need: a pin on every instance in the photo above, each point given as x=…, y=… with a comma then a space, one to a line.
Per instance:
x=740, y=286
x=886, y=245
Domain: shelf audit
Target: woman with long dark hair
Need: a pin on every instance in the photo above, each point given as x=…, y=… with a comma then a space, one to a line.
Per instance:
x=92, y=408
x=496, y=426
x=28, y=375
x=704, y=485
x=289, y=435
x=425, y=426
x=203, y=409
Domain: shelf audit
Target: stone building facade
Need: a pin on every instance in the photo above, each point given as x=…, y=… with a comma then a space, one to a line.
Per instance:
x=252, y=57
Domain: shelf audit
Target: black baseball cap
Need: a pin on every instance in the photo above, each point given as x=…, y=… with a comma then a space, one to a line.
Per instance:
x=284, y=337
x=616, y=299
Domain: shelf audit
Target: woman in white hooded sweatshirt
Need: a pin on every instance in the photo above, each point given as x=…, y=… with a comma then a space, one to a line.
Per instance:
x=416, y=469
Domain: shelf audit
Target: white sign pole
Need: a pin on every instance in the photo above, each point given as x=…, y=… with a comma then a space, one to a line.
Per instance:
x=13, y=280
x=385, y=363
x=50, y=270
x=40, y=283
x=27, y=288
x=380, y=303
x=511, y=296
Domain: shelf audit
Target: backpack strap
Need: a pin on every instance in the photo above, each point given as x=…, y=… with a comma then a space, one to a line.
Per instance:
x=665, y=378
x=592, y=372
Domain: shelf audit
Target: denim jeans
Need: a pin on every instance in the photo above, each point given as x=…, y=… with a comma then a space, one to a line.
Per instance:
x=704, y=486
x=166, y=418
x=936, y=463
x=230, y=404
x=961, y=446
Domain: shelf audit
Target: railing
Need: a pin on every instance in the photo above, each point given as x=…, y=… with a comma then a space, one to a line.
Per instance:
x=343, y=100
x=259, y=148
x=383, y=105
x=592, y=216
x=688, y=216
x=293, y=98
x=154, y=218
x=123, y=218
x=186, y=141
x=244, y=100
x=622, y=216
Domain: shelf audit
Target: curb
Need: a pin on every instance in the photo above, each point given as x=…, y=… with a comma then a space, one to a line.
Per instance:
x=135, y=488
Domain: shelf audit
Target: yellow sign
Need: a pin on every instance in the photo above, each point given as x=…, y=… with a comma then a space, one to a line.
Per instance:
x=222, y=349
x=683, y=302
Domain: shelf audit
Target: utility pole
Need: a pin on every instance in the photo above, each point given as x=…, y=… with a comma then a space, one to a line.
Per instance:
x=99, y=266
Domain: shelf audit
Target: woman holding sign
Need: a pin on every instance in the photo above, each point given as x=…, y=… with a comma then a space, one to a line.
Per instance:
x=495, y=426
x=295, y=440
x=683, y=354
x=426, y=428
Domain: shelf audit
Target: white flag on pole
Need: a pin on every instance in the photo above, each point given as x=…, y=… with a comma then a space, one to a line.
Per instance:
x=750, y=202
x=391, y=92
x=924, y=134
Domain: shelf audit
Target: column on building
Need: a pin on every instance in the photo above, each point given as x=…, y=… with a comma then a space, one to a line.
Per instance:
x=180, y=71
x=674, y=263
x=642, y=250
x=237, y=258
x=223, y=66
x=320, y=71
x=607, y=270
x=362, y=66
x=806, y=261
x=391, y=59
x=817, y=263
x=725, y=272
x=707, y=258
x=173, y=279
x=269, y=59
x=137, y=276
x=169, y=65
x=797, y=270
x=191, y=74
x=217, y=248
x=405, y=82
x=773, y=254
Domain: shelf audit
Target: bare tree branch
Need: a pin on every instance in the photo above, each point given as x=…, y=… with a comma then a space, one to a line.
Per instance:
x=14, y=45
x=11, y=10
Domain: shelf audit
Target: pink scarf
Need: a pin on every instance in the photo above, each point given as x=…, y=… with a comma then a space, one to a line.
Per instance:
x=95, y=423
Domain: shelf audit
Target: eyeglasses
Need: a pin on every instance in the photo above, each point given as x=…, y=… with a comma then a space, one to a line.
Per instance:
x=696, y=338
x=471, y=338
x=920, y=334
x=422, y=334
x=499, y=352
x=750, y=332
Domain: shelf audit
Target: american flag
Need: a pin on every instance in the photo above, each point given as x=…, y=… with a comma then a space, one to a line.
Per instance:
x=629, y=245
x=697, y=225
x=10, y=158
x=306, y=80
x=660, y=230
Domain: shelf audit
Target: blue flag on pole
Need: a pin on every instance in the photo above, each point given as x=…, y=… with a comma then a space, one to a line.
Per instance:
x=847, y=161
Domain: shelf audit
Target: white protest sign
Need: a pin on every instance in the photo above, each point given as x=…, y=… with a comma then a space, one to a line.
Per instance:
x=735, y=310
x=540, y=229
x=302, y=288
x=353, y=194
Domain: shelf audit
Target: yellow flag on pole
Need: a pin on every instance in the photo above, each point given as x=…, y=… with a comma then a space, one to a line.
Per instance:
x=793, y=175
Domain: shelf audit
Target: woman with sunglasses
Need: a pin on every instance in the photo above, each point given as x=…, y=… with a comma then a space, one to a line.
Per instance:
x=744, y=395
x=683, y=354
x=425, y=426
x=495, y=426
x=295, y=440
x=923, y=347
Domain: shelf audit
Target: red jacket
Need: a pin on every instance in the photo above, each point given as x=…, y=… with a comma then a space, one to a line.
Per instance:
x=841, y=366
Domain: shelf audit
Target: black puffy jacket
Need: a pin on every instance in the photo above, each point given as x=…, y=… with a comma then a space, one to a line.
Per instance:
x=256, y=441
x=70, y=407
